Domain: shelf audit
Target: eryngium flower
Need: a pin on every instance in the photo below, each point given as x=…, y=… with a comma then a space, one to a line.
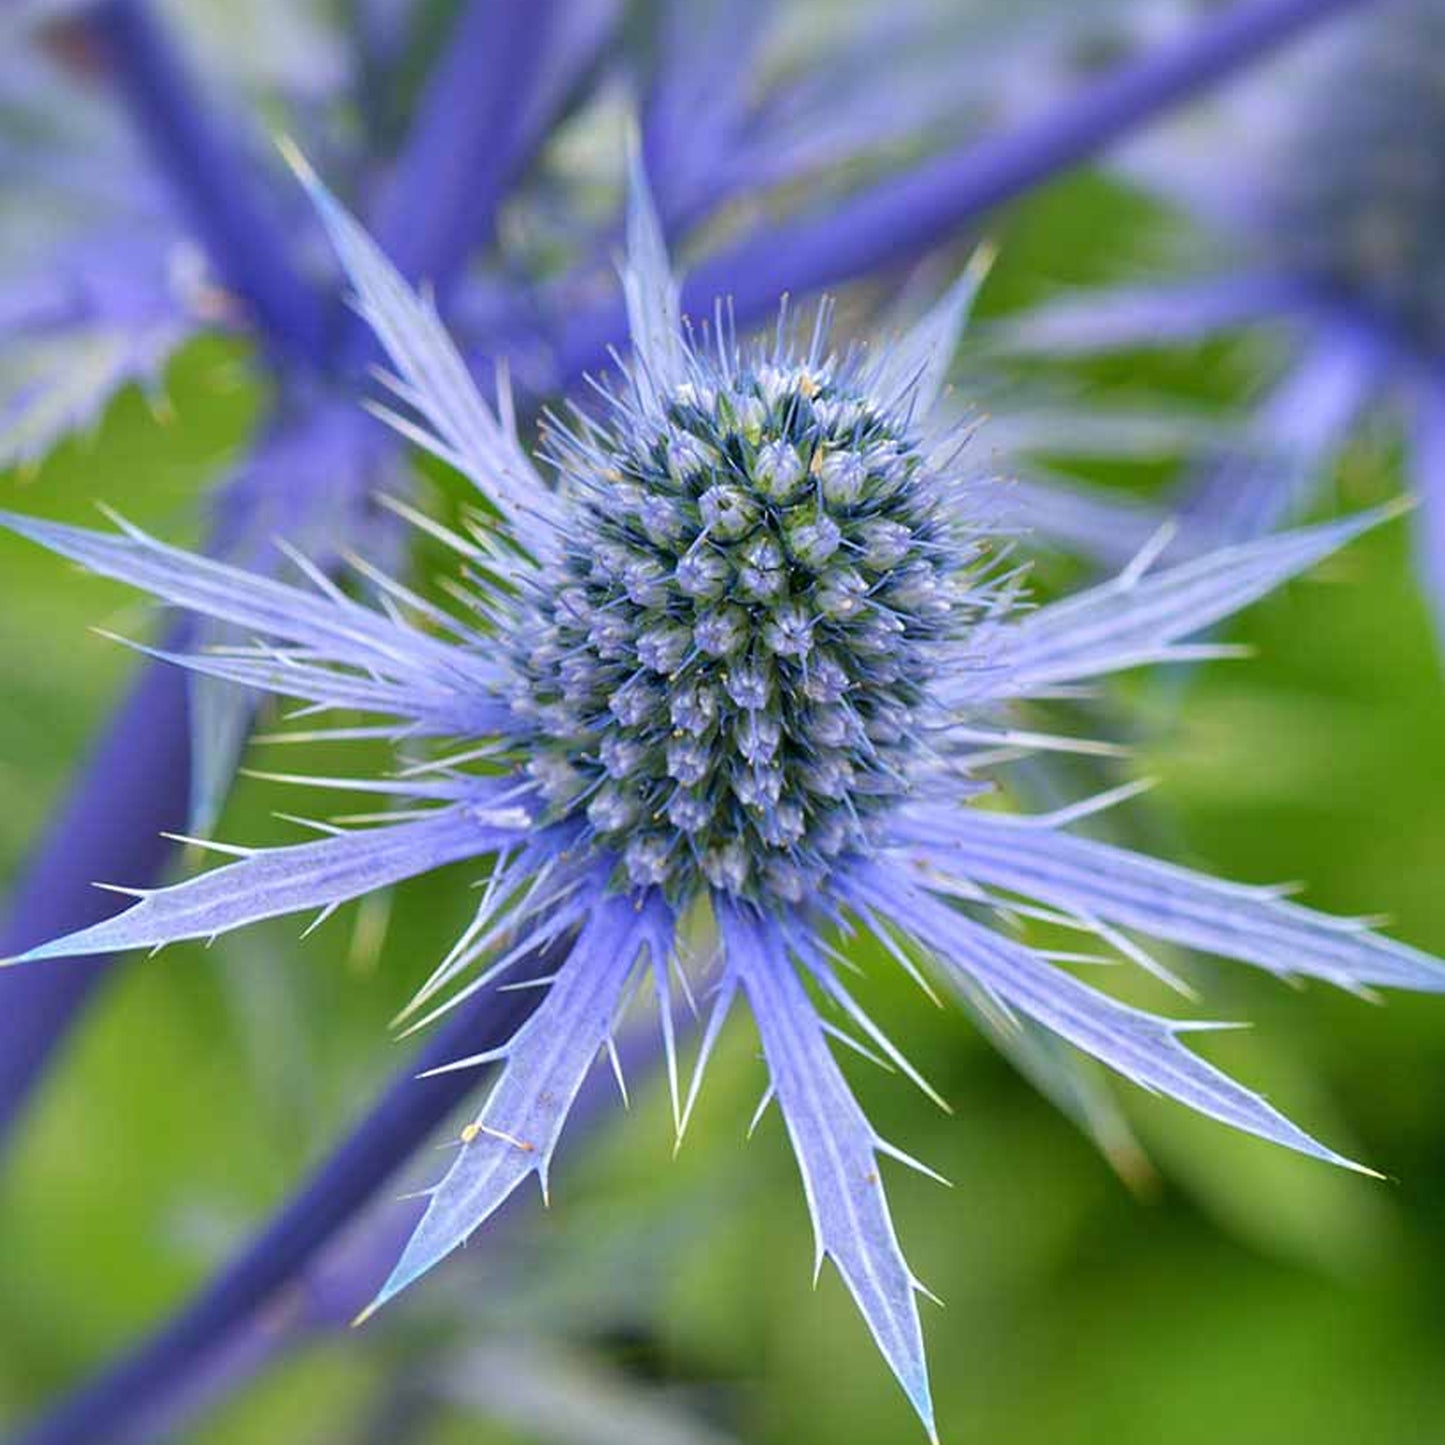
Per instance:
x=722, y=671
x=732, y=665
x=1327, y=173
x=1358, y=198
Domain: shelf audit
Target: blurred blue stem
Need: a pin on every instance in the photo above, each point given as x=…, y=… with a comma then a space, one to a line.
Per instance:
x=466, y=142
x=109, y=829
x=209, y=178
x=109, y=1408
x=343, y=1276
x=902, y=217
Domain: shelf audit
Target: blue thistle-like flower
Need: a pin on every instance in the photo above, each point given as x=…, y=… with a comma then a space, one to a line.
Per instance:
x=743, y=659
x=1360, y=198
x=722, y=669
x=115, y=297
x=1325, y=173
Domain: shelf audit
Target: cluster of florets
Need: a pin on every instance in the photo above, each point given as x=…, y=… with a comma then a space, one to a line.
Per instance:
x=725, y=670
x=1361, y=201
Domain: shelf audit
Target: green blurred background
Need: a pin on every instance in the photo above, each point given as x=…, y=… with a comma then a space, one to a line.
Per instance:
x=1235, y=1293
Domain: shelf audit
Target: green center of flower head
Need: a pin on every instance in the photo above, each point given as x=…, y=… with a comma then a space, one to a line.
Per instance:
x=1360, y=200
x=726, y=675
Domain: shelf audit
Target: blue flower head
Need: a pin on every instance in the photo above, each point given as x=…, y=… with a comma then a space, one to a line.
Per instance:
x=724, y=665
x=1358, y=197
x=119, y=290
x=740, y=657
x=1325, y=174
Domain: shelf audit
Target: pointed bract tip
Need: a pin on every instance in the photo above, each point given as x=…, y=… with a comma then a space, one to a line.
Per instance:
x=300, y=167
x=29, y=527
x=985, y=254
x=632, y=142
x=106, y=635
x=39, y=954
x=1366, y=521
x=1357, y=1168
x=921, y=1398
x=402, y=1277
x=639, y=192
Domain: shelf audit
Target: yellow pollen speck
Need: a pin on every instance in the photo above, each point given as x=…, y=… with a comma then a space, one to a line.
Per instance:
x=470, y=1133
x=807, y=386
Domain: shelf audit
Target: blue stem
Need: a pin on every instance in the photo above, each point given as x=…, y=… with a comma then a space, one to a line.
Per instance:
x=208, y=178
x=344, y=1276
x=697, y=102
x=107, y=1409
x=133, y=788
x=468, y=140
x=901, y=218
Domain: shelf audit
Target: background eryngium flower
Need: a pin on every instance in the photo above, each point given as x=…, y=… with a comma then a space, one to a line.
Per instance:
x=736, y=661
x=1324, y=175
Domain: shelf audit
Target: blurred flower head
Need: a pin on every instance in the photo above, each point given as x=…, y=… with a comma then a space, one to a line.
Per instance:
x=1356, y=193
x=1322, y=175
